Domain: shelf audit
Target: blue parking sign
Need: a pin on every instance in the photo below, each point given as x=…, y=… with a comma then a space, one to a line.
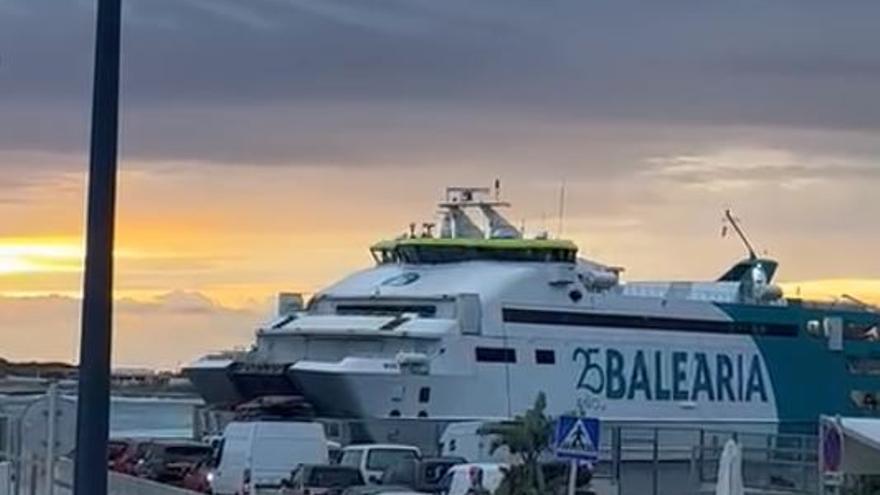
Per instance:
x=577, y=438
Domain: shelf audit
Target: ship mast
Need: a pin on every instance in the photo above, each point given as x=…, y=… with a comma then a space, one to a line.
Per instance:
x=728, y=215
x=456, y=223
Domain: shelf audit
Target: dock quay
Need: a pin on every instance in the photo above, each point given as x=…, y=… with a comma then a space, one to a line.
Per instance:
x=635, y=459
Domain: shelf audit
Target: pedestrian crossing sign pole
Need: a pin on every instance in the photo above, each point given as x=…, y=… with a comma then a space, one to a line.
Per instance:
x=576, y=438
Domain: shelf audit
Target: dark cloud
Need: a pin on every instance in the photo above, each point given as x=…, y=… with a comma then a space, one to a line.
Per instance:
x=346, y=81
x=777, y=168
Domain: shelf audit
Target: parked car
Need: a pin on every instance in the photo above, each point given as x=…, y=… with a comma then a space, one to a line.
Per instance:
x=198, y=478
x=334, y=452
x=373, y=459
x=322, y=479
x=463, y=439
x=126, y=461
x=421, y=475
x=378, y=490
x=168, y=461
x=116, y=448
x=556, y=475
x=263, y=453
x=461, y=477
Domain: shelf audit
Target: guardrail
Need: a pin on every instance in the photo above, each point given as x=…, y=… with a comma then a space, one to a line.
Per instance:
x=780, y=463
x=669, y=460
x=119, y=484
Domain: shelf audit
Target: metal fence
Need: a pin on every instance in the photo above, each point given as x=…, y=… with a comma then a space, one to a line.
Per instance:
x=35, y=431
x=635, y=459
x=639, y=459
x=777, y=463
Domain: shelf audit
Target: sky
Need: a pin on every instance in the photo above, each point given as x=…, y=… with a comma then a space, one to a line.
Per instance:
x=266, y=144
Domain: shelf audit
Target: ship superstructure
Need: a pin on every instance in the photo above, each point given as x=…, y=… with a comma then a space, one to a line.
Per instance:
x=469, y=319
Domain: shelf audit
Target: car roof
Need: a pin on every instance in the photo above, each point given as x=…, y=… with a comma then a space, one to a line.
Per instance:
x=365, y=446
x=330, y=466
x=170, y=442
x=481, y=465
x=457, y=460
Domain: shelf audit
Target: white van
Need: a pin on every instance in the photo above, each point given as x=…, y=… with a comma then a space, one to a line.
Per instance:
x=263, y=453
x=463, y=439
x=374, y=458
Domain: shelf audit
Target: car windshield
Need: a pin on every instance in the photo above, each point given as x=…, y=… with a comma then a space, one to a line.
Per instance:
x=381, y=459
x=436, y=470
x=326, y=477
x=351, y=458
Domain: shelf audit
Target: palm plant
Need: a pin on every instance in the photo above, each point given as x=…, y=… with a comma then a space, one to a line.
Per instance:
x=526, y=437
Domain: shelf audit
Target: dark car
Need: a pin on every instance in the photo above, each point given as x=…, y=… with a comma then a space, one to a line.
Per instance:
x=198, y=478
x=127, y=455
x=421, y=475
x=116, y=448
x=556, y=473
x=322, y=479
x=170, y=461
x=376, y=490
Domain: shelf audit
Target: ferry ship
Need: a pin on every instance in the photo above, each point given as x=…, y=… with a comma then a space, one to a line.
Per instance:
x=473, y=321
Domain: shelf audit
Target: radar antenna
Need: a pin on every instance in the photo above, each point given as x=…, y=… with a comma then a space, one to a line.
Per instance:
x=730, y=219
x=561, y=211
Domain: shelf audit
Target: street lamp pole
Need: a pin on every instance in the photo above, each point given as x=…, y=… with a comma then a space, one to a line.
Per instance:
x=93, y=407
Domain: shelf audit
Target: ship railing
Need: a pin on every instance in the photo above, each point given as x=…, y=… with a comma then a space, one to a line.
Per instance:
x=661, y=460
x=772, y=463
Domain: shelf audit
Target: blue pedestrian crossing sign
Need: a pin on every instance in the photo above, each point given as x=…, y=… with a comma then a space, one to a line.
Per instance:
x=577, y=438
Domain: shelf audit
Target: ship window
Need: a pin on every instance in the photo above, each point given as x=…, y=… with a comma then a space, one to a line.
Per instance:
x=545, y=356
x=583, y=319
x=865, y=400
x=423, y=310
x=453, y=254
x=864, y=366
x=425, y=394
x=496, y=355
x=861, y=331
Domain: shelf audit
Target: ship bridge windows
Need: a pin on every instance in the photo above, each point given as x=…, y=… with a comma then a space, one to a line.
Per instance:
x=419, y=254
x=366, y=309
x=442, y=307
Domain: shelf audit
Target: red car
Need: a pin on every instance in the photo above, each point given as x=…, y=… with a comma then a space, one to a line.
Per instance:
x=125, y=455
x=198, y=478
x=115, y=449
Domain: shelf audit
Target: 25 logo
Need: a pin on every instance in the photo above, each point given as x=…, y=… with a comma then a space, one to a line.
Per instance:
x=592, y=376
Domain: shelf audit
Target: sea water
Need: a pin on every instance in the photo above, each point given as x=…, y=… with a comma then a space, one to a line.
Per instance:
x=139, y=417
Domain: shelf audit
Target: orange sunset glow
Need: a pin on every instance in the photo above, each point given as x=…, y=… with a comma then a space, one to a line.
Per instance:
x=265, y=147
